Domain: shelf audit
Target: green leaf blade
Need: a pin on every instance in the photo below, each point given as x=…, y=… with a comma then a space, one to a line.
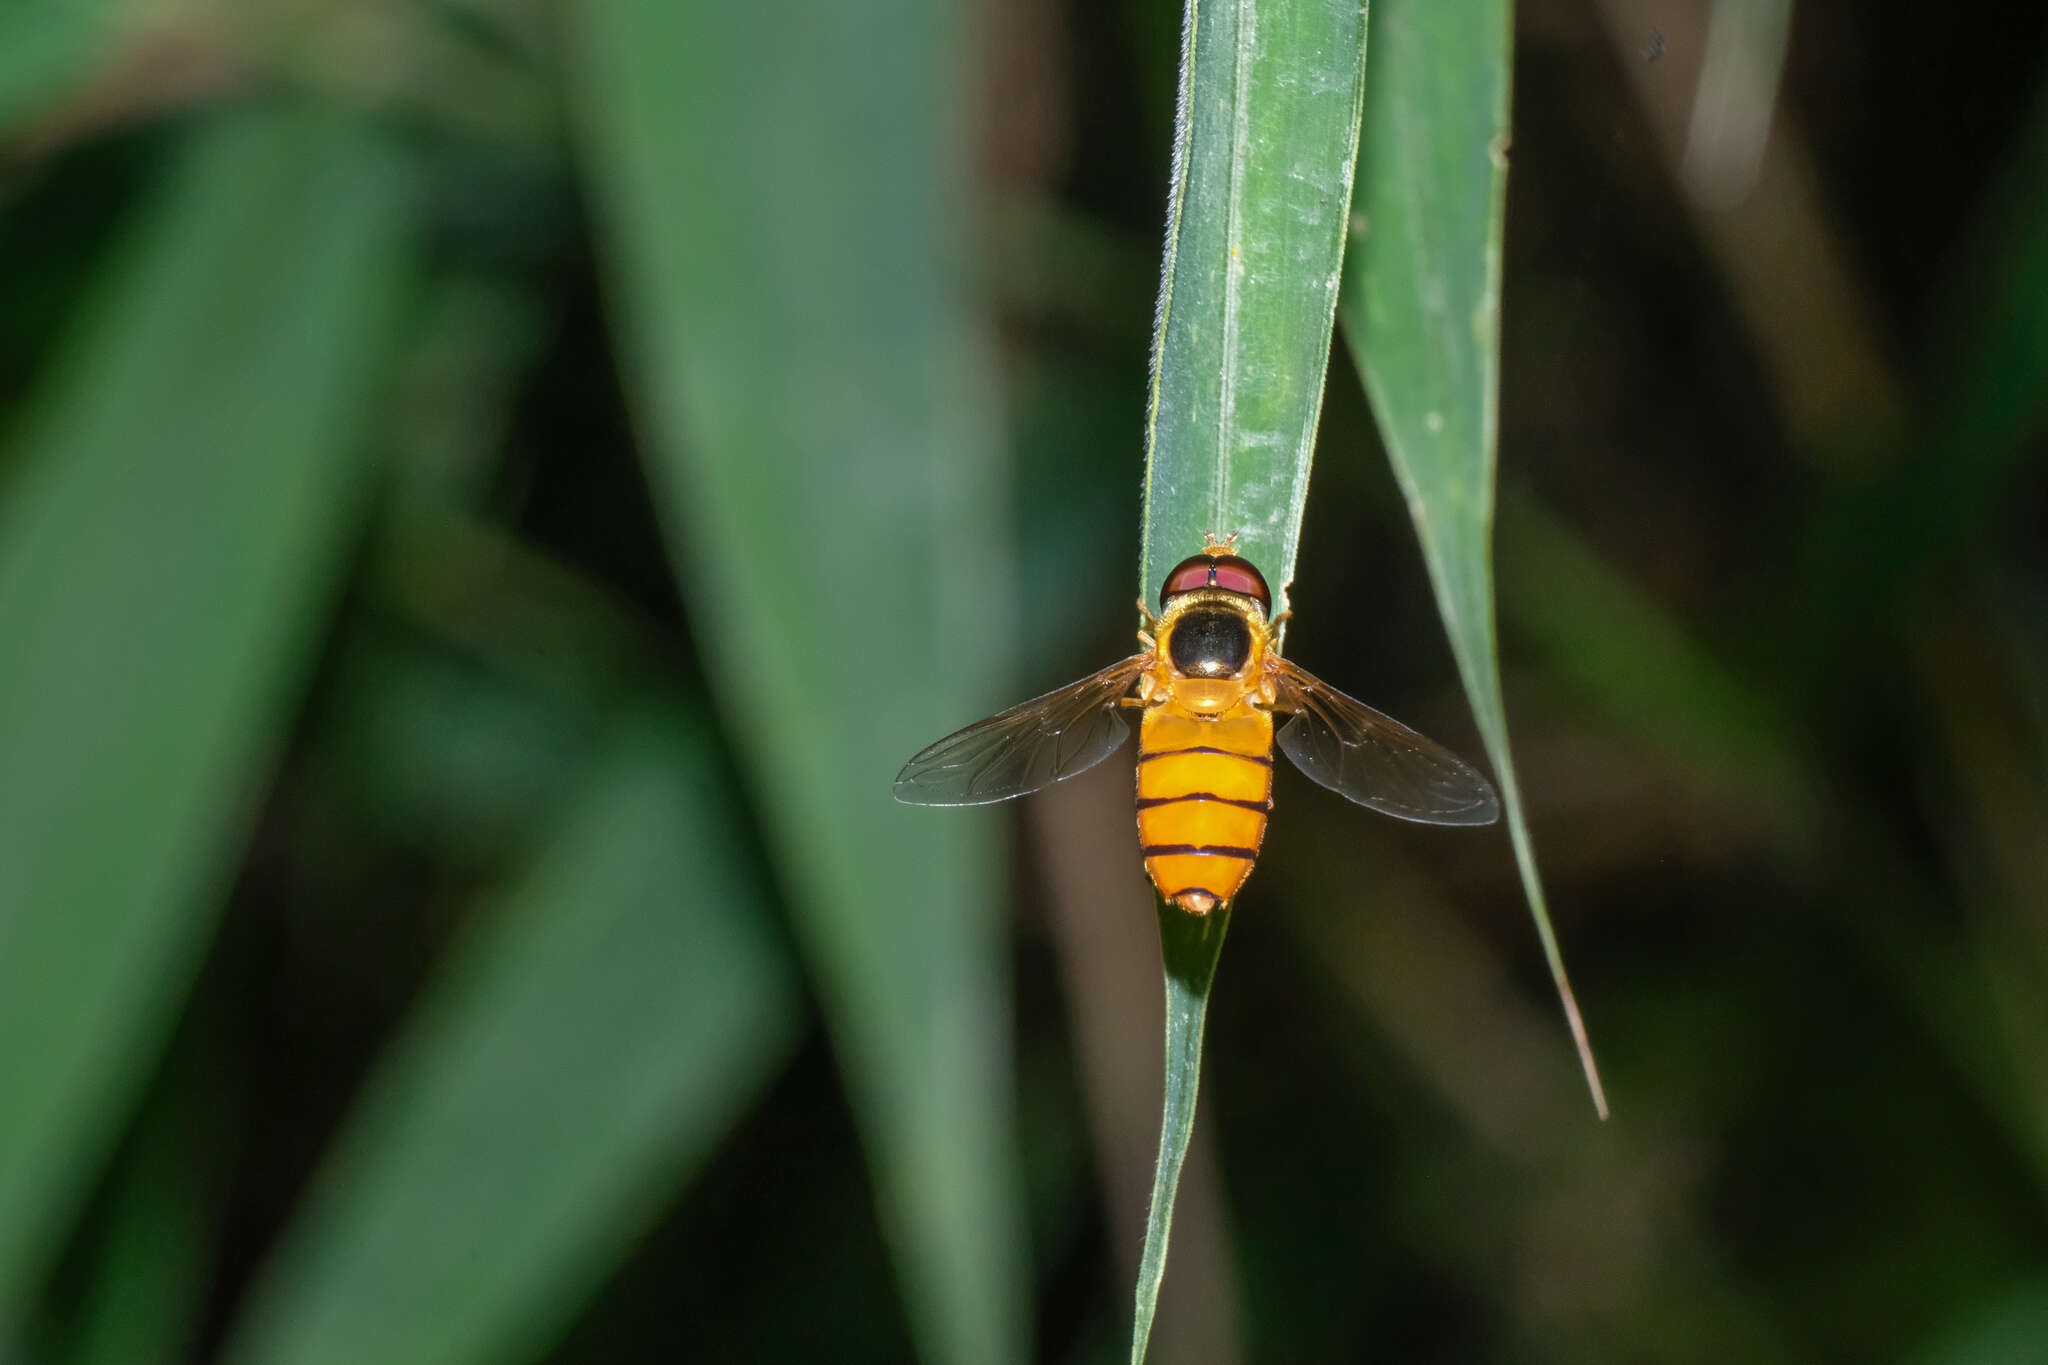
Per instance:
x=1265, y=145
x=810, y=366
x=585, y=1046
x=1265, y=148
x=1421, y=312
x=1191, y=946
x=173, y=527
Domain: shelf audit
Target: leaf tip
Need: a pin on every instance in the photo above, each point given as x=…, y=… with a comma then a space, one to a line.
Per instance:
x=1584, y=1046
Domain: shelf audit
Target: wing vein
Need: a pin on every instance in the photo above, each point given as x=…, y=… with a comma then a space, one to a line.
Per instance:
x=1026, y=748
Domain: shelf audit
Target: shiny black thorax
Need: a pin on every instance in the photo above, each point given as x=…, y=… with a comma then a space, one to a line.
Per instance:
x=1210, y=643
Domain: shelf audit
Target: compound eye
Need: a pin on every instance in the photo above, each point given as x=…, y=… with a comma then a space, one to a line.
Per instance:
x=1187, y=576
x=1217, y=571
x=1237, y=575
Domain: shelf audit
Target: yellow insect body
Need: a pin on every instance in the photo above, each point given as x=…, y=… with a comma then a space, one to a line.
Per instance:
x=1205, y=785
x=1209, y=684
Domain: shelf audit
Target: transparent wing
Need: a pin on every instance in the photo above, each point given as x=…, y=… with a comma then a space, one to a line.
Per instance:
x=1375, y=760
x=1033, y=745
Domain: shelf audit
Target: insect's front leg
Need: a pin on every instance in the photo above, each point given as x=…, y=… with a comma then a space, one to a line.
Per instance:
x=1267, y=695
x=1149, y=691
x=1151, y=621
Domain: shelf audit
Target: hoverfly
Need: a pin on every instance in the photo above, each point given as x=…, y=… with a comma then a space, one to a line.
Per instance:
x=1207, y=686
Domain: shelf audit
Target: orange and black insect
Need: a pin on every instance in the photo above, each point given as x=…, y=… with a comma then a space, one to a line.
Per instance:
x=1207, y=685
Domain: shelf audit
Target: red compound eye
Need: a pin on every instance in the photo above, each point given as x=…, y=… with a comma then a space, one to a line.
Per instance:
x=1237, y=575
x=1186, y=577
x=1217, y=571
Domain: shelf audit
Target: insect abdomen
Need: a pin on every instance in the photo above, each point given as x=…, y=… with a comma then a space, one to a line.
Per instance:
x=1204, y=790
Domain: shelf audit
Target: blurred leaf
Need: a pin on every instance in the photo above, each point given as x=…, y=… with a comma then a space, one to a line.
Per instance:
x=169, y=538
x=476, y=338
x=570, y=1064
x=486, y=670
x=2007, y=1331
x=452, y=748
x=1610, y=638
x=48, y=43
x=782, y=191
x=1421, y=310
x=1987, y=398
x=1190, y=946
x=146, y=1281
x=1265, y=139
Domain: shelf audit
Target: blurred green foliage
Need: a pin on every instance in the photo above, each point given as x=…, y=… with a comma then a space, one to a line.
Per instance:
x=488, y=490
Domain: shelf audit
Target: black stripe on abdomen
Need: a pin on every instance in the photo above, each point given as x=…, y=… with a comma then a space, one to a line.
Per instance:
x=1148, y=802
x=1263, y=760
x=1201, y=850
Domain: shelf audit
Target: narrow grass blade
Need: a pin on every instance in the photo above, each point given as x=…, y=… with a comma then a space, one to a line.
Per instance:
x=170, y=533
x=1191, y=946
x=786, y=225
x=568, y=1066
x=1265, y=140
x=1421, y=311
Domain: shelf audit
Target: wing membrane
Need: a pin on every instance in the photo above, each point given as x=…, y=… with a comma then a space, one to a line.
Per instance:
x=1033, y=745
x=1373, y=759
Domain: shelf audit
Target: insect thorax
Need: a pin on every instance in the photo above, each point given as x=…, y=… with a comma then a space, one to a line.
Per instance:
x=1210, y=642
